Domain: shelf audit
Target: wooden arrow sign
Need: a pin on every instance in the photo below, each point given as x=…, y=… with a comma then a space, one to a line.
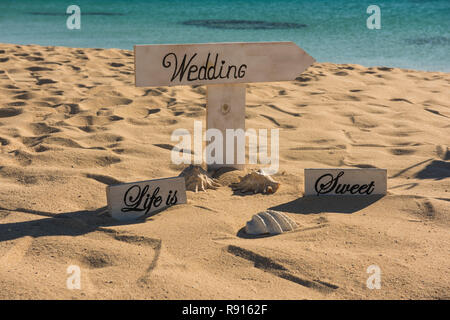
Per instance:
x=224, y=68
x=218, y=63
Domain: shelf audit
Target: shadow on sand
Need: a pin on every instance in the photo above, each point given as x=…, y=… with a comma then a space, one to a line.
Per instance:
x=314, y=205
x=336, y=204
x=64, y=224
x=436, y=170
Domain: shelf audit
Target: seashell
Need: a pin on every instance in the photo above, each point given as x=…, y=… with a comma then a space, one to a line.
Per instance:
x=196, y=178
x=256, y=182
x=270, y=221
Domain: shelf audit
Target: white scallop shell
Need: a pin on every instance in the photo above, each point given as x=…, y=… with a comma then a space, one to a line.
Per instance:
x=270, y=221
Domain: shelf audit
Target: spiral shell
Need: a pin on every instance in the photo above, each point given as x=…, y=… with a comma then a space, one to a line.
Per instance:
x=256, y=182
x=270, y=221
x=196, y=178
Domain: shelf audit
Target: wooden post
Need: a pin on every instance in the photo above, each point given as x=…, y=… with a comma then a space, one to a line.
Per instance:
x=226, y=110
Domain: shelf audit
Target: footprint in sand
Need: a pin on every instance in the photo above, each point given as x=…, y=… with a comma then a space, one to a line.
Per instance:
x=171, y=147
x=41, y=128
x=171, y=102
x=200, y=90
x=294, y=114
x=24, y=158
x=9, y=112
x=178, y=113
x=303, y=79
x=105, y=101
x=16, y=254
x=269, y=265
x=3, y=141
x=152, y=92
x=401, y=100
x=313, y=93
x=16, y=104
x=103, y=179
x=116, y=65
x=443, y=152
x=435, y=112
x=106, y=161
x=115, y=118
x=105, y=112
x=73, y=108
x=401, y=152
x=75, y=68
x=138, y=122
x=34, y=59
x=57, y=92
x=10, y=86
x=33, y=141
x=26, y=96
x=45, y=81
x=385, y=69
x=273, y=120
x=152, y=111
x=97, y=259
x=63, y=142
x=41, y=148
x=90, y=129
x=36, y=69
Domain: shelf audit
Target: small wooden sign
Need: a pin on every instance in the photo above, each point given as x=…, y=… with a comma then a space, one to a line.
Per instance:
x=361, y=182
x=136, y=199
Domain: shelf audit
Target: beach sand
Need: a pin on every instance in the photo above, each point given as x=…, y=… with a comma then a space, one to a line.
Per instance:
x=72, y=122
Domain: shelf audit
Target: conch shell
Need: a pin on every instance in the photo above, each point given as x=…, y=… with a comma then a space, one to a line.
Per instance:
x=196, y=178
x=256, y=182
x=270, y=221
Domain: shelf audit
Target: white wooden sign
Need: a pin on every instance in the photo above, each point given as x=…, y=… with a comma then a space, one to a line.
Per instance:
x=224, y=68
x=319, y=182
x=136, y=199
x=218, y=63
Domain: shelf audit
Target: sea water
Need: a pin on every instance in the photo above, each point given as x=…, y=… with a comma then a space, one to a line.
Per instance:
x=413, y=33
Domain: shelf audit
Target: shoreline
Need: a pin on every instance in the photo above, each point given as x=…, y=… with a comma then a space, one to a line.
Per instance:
x=131, y=50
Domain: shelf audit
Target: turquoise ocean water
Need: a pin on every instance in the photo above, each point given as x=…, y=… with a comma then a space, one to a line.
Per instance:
x=414, y=33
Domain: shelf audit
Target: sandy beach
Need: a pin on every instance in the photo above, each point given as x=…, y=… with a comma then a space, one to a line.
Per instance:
x=73, y=122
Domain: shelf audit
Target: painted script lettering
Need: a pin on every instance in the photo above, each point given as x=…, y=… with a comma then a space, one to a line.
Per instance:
x=142, y=199
x=186, y=68
x=327, y=183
